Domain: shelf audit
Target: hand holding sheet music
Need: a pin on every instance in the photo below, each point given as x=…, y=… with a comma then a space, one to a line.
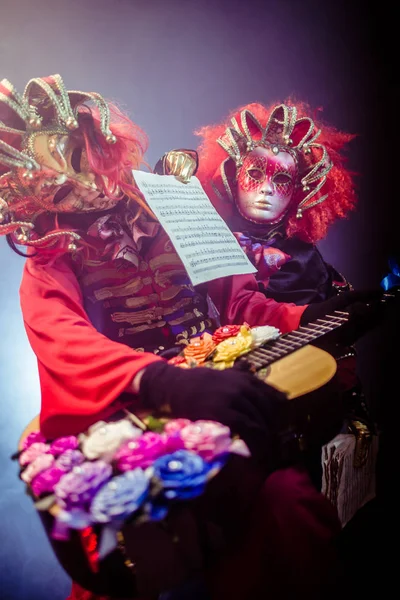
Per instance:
x=203, y=241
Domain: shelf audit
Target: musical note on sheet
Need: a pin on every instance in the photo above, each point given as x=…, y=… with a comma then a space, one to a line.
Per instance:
x=201, y=238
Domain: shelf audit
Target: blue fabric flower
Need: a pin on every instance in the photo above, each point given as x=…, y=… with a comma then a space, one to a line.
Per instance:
x=182, y=474
x=120, y=497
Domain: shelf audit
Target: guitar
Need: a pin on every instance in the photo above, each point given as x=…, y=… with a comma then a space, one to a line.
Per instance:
x=291, y=363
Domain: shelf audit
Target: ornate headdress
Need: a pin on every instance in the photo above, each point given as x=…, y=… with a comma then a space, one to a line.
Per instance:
x=36, y=156
x=322, y=182
x=283, y=132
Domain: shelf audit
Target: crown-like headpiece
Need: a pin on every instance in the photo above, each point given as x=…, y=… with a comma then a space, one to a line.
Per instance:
x=283, y=132
x=45, y=108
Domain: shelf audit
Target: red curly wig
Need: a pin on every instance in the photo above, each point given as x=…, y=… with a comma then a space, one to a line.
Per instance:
x=339, y=184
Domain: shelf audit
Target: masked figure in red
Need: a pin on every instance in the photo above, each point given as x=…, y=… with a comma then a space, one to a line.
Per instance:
x=278, y=177
x=105, y=297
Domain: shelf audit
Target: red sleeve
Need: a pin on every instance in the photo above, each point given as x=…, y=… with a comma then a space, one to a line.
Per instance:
x=238, y=301
x=82, y=372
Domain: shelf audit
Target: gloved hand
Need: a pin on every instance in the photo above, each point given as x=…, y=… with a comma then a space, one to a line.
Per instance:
x=364, y=309
x=182, y=163
x=234, y=397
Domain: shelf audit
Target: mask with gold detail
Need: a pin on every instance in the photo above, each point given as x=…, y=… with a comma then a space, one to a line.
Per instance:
x=267, y=166
x=44, y=163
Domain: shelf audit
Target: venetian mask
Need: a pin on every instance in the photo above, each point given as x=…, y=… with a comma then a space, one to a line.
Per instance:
x=265, y=184
x=64, y=182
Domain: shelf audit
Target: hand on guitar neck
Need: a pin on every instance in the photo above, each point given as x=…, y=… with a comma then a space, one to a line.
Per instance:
x=365, y=310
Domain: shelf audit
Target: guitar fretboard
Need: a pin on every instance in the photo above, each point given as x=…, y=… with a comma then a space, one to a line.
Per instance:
x=290, y=342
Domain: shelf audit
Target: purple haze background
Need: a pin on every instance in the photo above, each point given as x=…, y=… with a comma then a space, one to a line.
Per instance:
x=174, y=66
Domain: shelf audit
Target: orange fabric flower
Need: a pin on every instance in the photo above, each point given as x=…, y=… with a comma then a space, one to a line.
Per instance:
x=199, y=348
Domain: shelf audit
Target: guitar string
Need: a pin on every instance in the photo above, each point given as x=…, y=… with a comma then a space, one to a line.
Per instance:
x=283, y=346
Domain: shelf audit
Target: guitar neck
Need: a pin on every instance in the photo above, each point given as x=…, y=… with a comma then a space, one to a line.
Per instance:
x=290, y=342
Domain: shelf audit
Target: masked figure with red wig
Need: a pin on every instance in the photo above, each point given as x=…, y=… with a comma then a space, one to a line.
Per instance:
x=278, y=178
x=105, y=297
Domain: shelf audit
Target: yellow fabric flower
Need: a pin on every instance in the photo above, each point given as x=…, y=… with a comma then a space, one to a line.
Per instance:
x=230, y=349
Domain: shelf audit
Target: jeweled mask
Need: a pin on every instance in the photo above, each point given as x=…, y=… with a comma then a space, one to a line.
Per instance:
x=44, y=165
x=268, y=168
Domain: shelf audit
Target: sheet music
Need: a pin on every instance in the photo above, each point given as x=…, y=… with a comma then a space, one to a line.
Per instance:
x=201, y=238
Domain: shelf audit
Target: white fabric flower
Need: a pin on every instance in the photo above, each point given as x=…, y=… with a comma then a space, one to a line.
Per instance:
x=263, y=334
x=103, y=439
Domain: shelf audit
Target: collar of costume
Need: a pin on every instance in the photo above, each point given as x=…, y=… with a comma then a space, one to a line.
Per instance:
x=267, y=259
x=122, y=235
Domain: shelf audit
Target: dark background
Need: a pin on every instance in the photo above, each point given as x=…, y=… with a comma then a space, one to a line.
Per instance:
x=174, y=66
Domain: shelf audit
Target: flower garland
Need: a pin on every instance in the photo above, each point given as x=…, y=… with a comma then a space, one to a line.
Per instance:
x=118, y=471
x=227, y=344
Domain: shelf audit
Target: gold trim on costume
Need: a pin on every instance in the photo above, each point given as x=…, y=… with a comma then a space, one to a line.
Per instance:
x=125, y=289
x=150, y=314
x=164, y=259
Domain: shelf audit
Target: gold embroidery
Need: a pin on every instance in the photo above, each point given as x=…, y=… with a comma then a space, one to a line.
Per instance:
x=174, y=290
x=141, y=301
x=149, y=314
x=133, y=330
x=94, y=263
x=101, y=275
x=164, y=279
x=142, y=316
x=164, y=259
x=125, y=289
x=183, y=337
x=186, y=317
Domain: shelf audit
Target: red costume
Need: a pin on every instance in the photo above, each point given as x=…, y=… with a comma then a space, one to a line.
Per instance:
x=104, y=292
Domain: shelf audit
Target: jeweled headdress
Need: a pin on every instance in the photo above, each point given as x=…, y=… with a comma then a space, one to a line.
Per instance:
x=42, y=166
x=284, y=131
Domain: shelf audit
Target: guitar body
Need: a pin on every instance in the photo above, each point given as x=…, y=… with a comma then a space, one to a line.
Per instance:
x=302, y=372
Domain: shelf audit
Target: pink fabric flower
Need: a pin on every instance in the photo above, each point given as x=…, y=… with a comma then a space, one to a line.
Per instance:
x=62, y=444
x=46, y=480
x=33, y=438
x=41, y=462
x=208, y=439
x=175, y=425
x=32, y=452
x=142, y=452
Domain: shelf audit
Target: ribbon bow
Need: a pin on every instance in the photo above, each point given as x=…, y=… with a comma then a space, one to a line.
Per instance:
x=392, y=279
x=265, y=258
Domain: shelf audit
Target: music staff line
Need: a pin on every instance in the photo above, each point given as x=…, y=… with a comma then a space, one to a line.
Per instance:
x=225, y=266
x=200, y=261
